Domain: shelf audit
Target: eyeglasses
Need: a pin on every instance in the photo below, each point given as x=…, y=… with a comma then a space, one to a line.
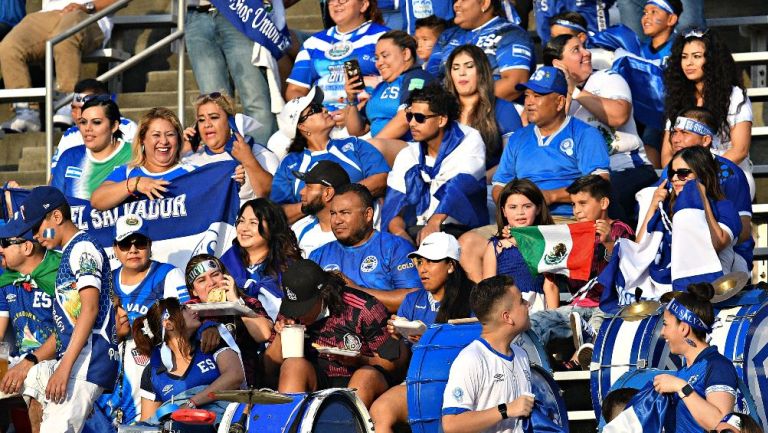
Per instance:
x=341, y=2
x=140, y=242
x=681, y=173
x=314, y=108
x=7, y=242
x=420, y=118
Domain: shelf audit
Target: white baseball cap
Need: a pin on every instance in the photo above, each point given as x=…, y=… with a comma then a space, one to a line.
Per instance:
x=128, y=225
x=288, y=118
x=438, y=246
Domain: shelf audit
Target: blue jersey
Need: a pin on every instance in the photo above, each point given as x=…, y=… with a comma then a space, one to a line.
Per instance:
x=507, y=46
x=734, y=184
x=575, y=150
x=78, y=174
x=85, y=264
x=157, y=384
x=661, y=54
x=126, y=396
x=388, y=98
x=321, y=60
x=381, y=263
x=419, y=305
x=594, y=11
x=162, y=281
x=120, y=174
x=357, y=157
x=412, y=10
x=30, y=312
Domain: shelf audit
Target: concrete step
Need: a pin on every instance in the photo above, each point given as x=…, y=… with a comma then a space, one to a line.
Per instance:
x=167, y=81
x=33, y=159
x=311, y=23
x=137, y=113
x=27, y=179
x=153, y=99
x=12, y=145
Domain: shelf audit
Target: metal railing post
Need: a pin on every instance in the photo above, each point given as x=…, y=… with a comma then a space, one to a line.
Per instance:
x=48, y=108
x=181, y=63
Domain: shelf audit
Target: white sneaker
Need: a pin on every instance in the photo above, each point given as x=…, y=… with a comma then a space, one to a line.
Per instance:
x=576, y=329
x=63, y=117
x=26, y=120
x=584, y=355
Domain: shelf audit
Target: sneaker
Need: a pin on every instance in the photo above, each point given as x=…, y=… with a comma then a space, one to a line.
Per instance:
x=63, y=117
x=26, y=120
x=584, y=355
x=576, y=329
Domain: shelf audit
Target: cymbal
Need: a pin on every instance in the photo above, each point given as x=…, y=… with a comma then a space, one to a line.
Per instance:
x=251, y=396
x=639, y=310
x=728, y=285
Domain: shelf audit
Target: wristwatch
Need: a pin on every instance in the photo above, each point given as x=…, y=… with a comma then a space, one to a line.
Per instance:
x=685, y=391
x=503, y=410
x=31, y=357
x=90, y=7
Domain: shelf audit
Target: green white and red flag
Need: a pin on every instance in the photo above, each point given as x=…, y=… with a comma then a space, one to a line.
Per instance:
x=565, y=249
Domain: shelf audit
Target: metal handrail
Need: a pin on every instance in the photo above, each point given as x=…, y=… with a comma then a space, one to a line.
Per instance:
x=132, y=61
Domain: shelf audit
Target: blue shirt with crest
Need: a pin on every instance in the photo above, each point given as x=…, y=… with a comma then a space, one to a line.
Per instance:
x=162, y=281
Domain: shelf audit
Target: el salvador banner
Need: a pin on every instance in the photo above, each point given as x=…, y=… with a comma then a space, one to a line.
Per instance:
x=646, y=81
x=454, y=185
x=255, y=19
x=197, y=215
x=645, y=413
x=660, y=262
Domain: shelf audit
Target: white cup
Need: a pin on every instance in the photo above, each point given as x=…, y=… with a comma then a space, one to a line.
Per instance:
x=292, y=339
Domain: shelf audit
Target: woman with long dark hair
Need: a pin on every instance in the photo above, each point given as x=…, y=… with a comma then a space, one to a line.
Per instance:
x=704, y=390
x=264, y=248
x=701, y=72
x=445, y=297
x=179, y=371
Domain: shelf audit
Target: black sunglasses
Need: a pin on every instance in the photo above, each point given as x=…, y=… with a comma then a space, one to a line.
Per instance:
x=420, y=118
x=140, y=242
x=314, y=108
x=681, y=173
x=7, y=242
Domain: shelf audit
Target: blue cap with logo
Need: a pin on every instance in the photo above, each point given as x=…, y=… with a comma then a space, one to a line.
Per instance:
x=546, y=80
x=32, y=211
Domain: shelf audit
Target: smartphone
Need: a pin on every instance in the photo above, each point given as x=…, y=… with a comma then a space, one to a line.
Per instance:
x=352, y=69
x=195, y=140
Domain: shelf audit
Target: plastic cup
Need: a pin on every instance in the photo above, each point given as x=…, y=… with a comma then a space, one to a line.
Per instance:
x=292, y=339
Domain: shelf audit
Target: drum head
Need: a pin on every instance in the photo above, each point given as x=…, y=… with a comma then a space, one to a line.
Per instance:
x=549, y=395
x=338, y=415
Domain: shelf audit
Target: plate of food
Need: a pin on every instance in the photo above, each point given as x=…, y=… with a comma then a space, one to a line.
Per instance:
x=336, y=351
x=408, y=328
x=212, y=309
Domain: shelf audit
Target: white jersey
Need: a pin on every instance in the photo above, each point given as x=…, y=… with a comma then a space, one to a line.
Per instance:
x=739, y=110
x=626, y=146
x=310, y=235
x=482, y=378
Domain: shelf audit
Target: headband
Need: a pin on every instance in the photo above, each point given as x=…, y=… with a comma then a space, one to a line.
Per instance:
x=200, y=269
x=685, y=315
x=733, y=420
x=570, y=25
x=688, y=124
x=663, y=5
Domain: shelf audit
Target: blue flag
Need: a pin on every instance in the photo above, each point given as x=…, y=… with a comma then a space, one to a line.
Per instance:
x=255, y=19
x=646, y=81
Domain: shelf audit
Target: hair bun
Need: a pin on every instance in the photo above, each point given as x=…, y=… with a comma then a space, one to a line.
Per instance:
x=702, y=291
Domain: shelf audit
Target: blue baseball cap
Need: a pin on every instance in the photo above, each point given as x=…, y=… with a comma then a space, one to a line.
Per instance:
x=546, y=80
x=32, y=211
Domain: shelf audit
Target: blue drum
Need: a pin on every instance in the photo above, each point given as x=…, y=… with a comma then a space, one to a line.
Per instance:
x=431, y=363
x=625, y=345
x=741, y=335
x=637, y=379
x=336, y=410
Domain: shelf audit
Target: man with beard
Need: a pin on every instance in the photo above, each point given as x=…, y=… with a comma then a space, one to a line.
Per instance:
x=374, y=262
x=320, y=183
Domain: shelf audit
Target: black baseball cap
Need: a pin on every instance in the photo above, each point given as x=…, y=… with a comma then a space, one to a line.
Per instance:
x=302, y=283
x=326, y=173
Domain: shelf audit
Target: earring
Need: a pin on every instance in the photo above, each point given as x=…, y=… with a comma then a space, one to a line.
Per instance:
x=308, y=133
x=690, y=342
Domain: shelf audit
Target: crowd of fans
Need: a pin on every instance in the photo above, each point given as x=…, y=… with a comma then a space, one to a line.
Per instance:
x=386, y=188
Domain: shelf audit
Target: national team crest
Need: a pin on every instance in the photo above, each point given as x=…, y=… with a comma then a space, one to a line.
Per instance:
x=352, y=342
x=369, y=264
x=566, y=146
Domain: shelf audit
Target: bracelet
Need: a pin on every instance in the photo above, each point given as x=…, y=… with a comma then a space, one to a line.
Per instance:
x=191, y=403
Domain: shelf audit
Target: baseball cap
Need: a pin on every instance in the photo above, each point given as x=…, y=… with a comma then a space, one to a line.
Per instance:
x=438, y=246
x=301, y=287
x=128, y=225
x=32, y=211
x=546, y=80
x=326, y=173
x=288, y=118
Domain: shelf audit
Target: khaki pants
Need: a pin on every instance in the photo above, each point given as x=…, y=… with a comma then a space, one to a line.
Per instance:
x=26, y=44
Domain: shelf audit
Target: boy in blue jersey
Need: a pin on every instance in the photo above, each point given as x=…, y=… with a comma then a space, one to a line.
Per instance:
x=697, y=127
x=376, y=263
x=659, y=20
x=509, y=47
x=565, y=148
x=428, y=30
x=85, y=320
x=25, y=305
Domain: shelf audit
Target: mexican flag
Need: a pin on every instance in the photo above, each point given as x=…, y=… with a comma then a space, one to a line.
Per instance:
x=565, y=249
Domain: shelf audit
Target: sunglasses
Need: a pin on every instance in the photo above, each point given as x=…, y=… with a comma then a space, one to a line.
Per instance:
x=7, y=242
x=681, y=173
x=140, y=242
x=420, y=118
x=314, y=108
x=212, y=95
x=81, y=98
